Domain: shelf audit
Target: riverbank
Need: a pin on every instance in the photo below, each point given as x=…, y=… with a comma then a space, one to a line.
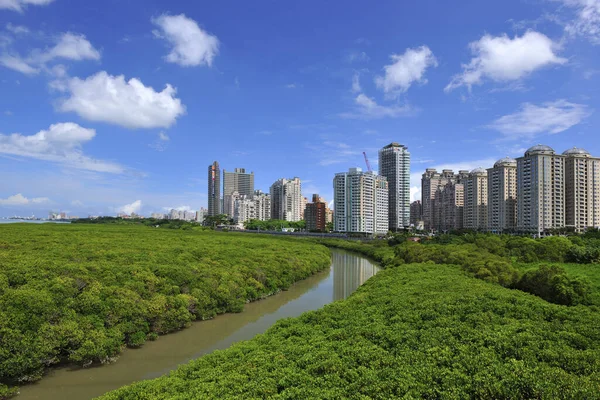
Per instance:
x=159, y=357
x=79, y=293
x=415, y=331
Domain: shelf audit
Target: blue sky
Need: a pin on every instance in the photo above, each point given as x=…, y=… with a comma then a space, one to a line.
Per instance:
x=122, y=105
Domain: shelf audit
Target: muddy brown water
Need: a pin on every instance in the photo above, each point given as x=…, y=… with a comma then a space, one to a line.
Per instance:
x=347, y=272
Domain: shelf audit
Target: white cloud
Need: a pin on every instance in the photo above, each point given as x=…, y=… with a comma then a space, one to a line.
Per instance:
x=367, y=108
x=356, y=83
x=20, y=5
x=587, y=20
x=71, y=46
x=503, y=59
x=406, y=69
x=68, y=46
x=16, y=63
x=180, y=208
x=106, y=98
x=17, y=29
x=164, y=137
x=20, y=200
x=192, y=46
x=291, y=86
x=532, y=120
x=357, y=56
x=61, y=143
x=134, y=207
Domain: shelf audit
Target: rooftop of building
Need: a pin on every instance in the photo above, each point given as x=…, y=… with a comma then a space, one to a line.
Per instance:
x=479, y=171
x=394, y=144
x=540, y=149
x=506, y=162
x=573, y=152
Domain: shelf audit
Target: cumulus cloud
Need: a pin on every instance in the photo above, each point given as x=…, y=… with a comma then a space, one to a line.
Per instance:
x=502, y=59
x=61, y=143
x=106, y=98
x=367, y=108
x=587, y=19
x=129, y=209
x=406, y=69
x=356, y=88
x=163, y=137
x=17, y=29
x=191, y=45
x=69, y=46
x=16, y=63
x=532, y=120
x=20, y=5
x=20, y=200
x=180, y=208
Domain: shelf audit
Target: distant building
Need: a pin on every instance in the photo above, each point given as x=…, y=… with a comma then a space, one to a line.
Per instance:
x=238, y=182
x=262, y=206
x=540, y=190
x=157, y=216
x=201, y=215
x=476, y=200
x=360, y=202
x=502, y=196
x=394, y=165
x=415, y=212
x=286, y=199
x=214, y=189
x=582, y=190
x=315, y=215
x=449, y=206
x=244, y=209
x=431, y=207
x=303, y=207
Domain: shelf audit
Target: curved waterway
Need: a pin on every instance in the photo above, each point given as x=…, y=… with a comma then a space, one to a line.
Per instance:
x=348, y=271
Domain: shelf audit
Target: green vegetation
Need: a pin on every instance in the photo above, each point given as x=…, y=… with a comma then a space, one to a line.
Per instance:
x=498, y=259
x=78, y=293
x=157, y=223
x=273, y=225
x=414, y=331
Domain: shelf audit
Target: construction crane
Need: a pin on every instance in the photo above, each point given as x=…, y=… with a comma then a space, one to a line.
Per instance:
x=367, y=162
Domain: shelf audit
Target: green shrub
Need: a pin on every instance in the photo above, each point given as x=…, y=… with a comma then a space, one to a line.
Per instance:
x=554, y=285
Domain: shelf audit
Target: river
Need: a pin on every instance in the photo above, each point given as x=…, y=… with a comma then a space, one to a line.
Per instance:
x=347, y=272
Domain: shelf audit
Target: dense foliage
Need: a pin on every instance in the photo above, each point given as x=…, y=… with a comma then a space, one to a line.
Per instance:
x=496, y=259
x=157, y=223
x=415, y=331
x=273, y=225
x=78, y=293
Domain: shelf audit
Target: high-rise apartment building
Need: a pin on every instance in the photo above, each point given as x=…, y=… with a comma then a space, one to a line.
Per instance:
x=286, y=199
x=262, y=206
x=315, y=215
x=244, y=209
x=360, y=202
x=214, y=189
x=476, y=200
x=502, y=196
x=394, y=165
x=416, y=212
x=430, y=183
x=582, y=190
x=237, y=181
x=449, y=207
x=540, y=190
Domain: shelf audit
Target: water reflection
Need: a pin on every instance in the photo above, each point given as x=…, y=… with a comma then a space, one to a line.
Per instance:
x=349, y=272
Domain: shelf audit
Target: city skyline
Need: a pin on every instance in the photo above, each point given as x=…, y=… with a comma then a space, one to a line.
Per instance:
x=303, y=95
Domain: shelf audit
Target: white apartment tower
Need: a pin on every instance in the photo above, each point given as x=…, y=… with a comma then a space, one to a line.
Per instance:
x=360, y=202
x=286, y=199
x=582, y=190
x=262, y=206
x=540, y=190
x=394, y=164
x=237, y=181
x=502, y=196
x=475, y=215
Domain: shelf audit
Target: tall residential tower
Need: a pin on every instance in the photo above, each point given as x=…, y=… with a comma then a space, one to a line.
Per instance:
x=360, y=202
x=394, y=164
x=214, y=189
x=502, y=196
x=286, y=200
x=234, y=182
x=582, y=190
